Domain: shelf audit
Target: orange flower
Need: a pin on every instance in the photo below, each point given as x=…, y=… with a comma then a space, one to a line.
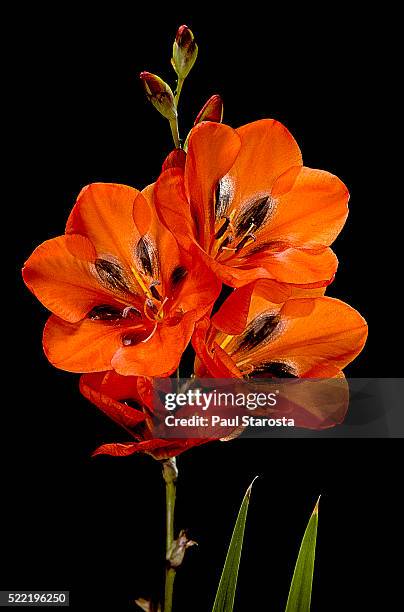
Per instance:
x=303, y=337
x=250, y=208
x=123, y=295
x=127, y=400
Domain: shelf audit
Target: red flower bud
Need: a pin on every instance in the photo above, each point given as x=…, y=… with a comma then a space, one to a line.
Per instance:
x=212, y=110
x=185, y=51
x=159, y=94
x=176, y=159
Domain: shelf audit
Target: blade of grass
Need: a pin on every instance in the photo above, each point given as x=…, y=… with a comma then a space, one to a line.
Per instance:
x=226, y=591
x=300, y=588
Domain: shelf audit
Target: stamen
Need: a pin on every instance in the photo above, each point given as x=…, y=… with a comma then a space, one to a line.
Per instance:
x=155, y=292
x=245, y=241
x=151, y=334
x=222, y=230
x=140, y=281
x=131, y=310
x=158, y=313
x=226, y=341
x=256, y=211
x=150, y=304
x=160, y=310
x=228, y=240
x=250, y=229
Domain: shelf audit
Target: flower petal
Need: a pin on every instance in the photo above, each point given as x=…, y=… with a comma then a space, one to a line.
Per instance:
x=296, y=266
x=86, y=346
x=175, y=159
x=310, y=210
x=160, y=354
x=113, y=217
x=315, y=332
x=232, y=316
x=104, y=389
x=173, y=207
x=157, y=448
x=267, y=150
x=212, y=150
x=197, y=290
x=60, y=273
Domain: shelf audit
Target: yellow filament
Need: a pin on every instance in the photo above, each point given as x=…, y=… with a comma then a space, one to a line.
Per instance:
x=160, y=314
x=226, y=341
x=141, y=282
x=250, y=229
x=248, y=243
x=151, y=333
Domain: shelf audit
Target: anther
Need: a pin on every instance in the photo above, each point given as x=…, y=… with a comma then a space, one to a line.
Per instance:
x=223, y=228
x=131, y=311
x=246, y=240
x=155, y=293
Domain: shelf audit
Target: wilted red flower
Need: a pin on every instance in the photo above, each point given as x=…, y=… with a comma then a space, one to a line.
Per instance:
x=123, y=295
x=249, y=207
x=127, y=400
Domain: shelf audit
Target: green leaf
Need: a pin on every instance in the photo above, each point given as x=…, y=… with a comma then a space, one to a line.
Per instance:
x=300, y=588
x=226, y=591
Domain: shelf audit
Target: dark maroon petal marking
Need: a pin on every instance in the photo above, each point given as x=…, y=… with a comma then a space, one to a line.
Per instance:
x=178, y=275
x=147, y=255
x=111, y=274
x=258, y=331
x=222, y=198
x=274, y=369
x=254, y=213
x=104, y=312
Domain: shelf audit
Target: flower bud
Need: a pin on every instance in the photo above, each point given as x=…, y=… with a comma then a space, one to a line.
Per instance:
x=160, y=95
x=185, y=51
x=211, y=111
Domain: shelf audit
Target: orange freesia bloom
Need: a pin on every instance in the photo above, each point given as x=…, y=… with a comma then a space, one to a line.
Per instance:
x=303, y=337
x=122, y=294
x=127, y=400
x=248, y=206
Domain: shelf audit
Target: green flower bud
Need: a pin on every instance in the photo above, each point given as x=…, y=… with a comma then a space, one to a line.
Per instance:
x=160, y=95
x=185, y=51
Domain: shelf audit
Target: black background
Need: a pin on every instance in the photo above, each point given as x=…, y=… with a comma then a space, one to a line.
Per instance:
x=96, y=526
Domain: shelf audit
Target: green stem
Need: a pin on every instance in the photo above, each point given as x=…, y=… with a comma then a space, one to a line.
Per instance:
x=174, y=132
x=169, y=589
x=180, y=83
x=170, y=474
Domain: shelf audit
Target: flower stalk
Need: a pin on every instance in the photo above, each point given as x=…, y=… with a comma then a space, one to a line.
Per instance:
x=170, y=474
x=180, y=83
x=175, y=132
